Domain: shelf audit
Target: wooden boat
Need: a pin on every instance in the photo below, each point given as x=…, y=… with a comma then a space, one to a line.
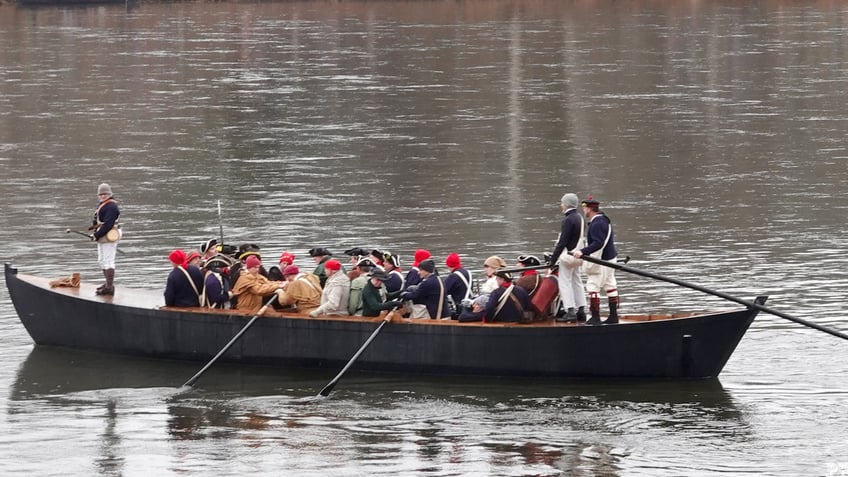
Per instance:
x=135, y=322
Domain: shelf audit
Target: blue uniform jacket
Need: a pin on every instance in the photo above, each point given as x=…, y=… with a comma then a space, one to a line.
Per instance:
x=569, y=234
x=455, y=287
x=509, y=312
x=178, y=290
x=598, y=229
x=107, y=215
x=412, y=278
x=394, y=283
x=217, y=288
x=427, y=293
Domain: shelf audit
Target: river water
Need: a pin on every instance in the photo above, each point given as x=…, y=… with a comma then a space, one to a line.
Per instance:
x=713, y=133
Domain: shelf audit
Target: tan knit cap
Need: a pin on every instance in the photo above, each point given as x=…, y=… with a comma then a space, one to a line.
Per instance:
x=495, y=262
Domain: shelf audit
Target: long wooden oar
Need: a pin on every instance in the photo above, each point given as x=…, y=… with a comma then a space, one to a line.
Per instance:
x=332, y=384
x=523, y=269
x=227, y=346
x=708, y=291
x=548, y=265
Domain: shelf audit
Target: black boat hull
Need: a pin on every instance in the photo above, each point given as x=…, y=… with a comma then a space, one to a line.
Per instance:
x=691, y=347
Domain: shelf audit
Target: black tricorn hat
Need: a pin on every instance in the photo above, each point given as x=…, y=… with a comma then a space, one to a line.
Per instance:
x=590, y=201
x=318, y=252
x=504, y=274
x=391, y=258
x=379, y=275
x=356, y=252
x=207, y=245
x=219, y=261
x=247, y=253
x=529, y=260
x=365, y=262
x=248, y=247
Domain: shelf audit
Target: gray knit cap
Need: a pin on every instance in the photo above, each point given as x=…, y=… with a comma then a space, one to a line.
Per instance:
x=570, y=200
x=104, y=189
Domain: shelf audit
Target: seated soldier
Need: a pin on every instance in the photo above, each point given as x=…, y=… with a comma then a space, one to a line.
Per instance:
x=490, y=266
x=360, y=273
x=428, y=297
x=475, y=313
x=529, y=279
x=457, y=283
x=194, y=258
x=508, y=302
x=301, y=290
x=334, y=297
x=216, y=282
x=321, y=255
x=391, y=264
x=209, y=249
x=360, y=268
x=276, y=271
x=412, y=276
x=356, y=254
x=245, y=250
x=252, y=287
x=377, y=257
x=374, y=295
x=185, y=282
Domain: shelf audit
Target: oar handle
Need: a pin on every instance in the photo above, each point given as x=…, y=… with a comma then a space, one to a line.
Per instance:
x=524, y=269
x=90, y=236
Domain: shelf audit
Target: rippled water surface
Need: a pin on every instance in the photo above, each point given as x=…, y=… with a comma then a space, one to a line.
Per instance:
x=713, y=133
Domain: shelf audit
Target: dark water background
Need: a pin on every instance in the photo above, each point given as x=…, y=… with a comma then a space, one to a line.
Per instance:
x=712, y=132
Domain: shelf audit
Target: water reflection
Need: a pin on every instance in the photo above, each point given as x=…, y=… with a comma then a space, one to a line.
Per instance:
x=545, y=427
x=110, y=460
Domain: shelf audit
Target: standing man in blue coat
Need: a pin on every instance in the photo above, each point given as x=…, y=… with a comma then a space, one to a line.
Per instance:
x=568, y=276
x=601, y=244
x=105, y=221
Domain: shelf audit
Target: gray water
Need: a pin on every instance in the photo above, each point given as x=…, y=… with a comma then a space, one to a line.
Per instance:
x=713, y=133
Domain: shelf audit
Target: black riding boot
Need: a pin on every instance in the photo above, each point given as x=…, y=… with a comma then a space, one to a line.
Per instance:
x=595, y=311
x=570, y=316
x=613, y=308
x=106, y=278
x=581, y=314
x=109, y=287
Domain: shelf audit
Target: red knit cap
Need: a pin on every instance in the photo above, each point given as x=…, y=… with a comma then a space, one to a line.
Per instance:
x=453, y=261
x=252, y=261
x=177, y=257
x=332, y=265
x=287, y=257
x=192, y=255
x=291, y=270
x=420, y=254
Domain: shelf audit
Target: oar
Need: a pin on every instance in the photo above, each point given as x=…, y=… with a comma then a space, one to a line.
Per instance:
x=540, y=267
x=708, y=291
x=227, y=346
x=220, y=224
x=332, y=384
x=524, y=269
x=88, y=236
